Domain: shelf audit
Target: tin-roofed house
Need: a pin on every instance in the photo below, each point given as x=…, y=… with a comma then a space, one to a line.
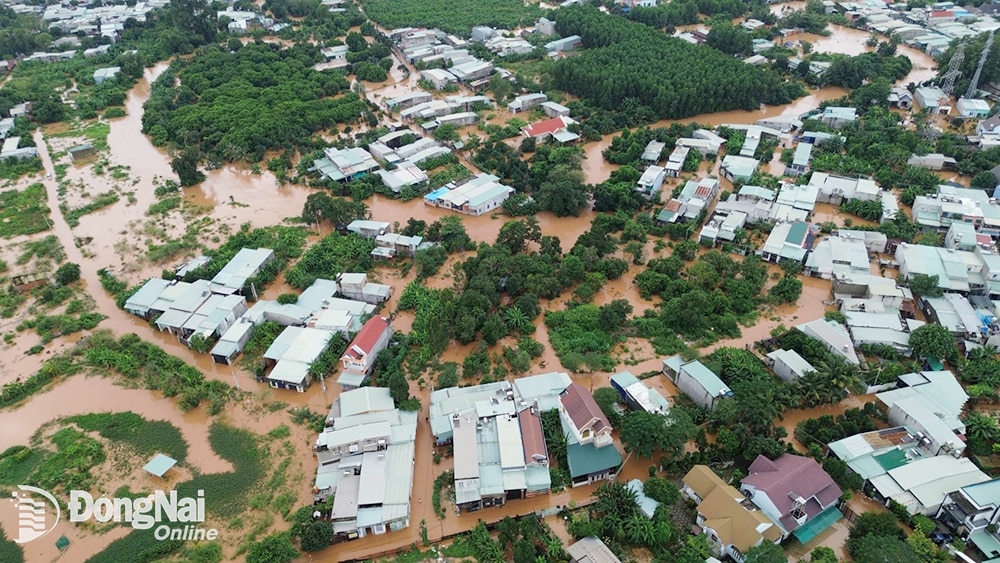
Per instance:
x=238, y=272
x=696, y=381
x=292, y=353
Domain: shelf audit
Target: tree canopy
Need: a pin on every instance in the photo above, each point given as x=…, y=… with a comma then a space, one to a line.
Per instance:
x=627, y=64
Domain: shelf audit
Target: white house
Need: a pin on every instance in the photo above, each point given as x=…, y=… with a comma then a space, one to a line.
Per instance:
x=696, y=381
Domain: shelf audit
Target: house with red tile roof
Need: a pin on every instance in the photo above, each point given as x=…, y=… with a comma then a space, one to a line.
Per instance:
x=556, y=128
x=361, y=353
x=793, y=491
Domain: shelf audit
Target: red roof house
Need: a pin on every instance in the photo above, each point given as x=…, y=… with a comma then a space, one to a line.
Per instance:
x=555, y=128
x=584, y=416
x=361, y=353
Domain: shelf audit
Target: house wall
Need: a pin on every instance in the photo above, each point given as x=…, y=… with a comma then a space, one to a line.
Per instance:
x=763, y=502
x=285, y=385
x=694, y=390
x=782, y=370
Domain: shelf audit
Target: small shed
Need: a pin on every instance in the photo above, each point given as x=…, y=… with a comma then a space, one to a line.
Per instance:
x=26, y=282
x=159, y=465
x=81, y=152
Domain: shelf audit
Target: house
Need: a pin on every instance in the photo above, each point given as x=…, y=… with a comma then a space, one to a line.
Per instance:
x=837, y=255
x=921, y=486
x=637, y=396
x=932, y=99
x=875, y=325
x=102, y=74
x=837, y=117
x=590, y=452
x=234, y=276
x=800, y=160
x=438, y=77
x=472, y=70
x=359, y=359
x=833, y=337
x=972, y=107
x=651, y=181
x=9, y=149
x=341, y=165
x=481, y=33
x=989, y=126
x=335, y=53
x=837, y=189
x=938, y=392
x=795, y=493
x=556, y=128
x=564, y=44
x=553, y=109
x=932, y=161
x=739, y=168
x=653, y=152
x=80, y=152
x=715, y=141
x=526, y=102
x=676, y=160
x=890, y=207
x=694, y=198
x=961, y=236
x=788, y=241
x=232, y=341
x=407, y=100
x=874, y=241
x=365, y=228
x=288, y=359
x=954, y=312
x=900, y=97
x=390, y=245
x=496, y=433
x=870, y=288
x=590, y=550
x=474, y=195
x=696, y=381
x=722, y=226
x=971, y=511
x=947, y=264
x=952, y=203
x=545, y=26
x=406, y=175
x=789, y=365
x=365, y=461
x=732, y=524
x=357, y=287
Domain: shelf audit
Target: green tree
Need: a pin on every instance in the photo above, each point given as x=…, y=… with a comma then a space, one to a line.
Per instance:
x=67, y=273
x=186, y=167
x=823, y=554
x=641, y=432
x=787, y=290
x=276, y=548
x=563, y=192
x=317, y=536
x=321, y=207
x=881, y=549
x=766, y=552
x=398, y=387
x=934, y=341
x=925, y=286
x=661, y=490
x=429, y=261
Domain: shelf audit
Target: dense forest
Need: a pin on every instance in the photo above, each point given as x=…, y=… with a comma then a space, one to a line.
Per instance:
x=457, y=16
x=236, y=105
x=626, y=61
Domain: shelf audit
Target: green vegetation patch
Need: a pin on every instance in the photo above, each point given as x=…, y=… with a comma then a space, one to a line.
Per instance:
x=226, y=494
x=148, y=437
x=335, y=254
x=23, y=212
x=100, y=202
x=14, y=168
x=10, y=552
x=235, y=106
x=629, y=63
x=454, y=17
x=95, y=133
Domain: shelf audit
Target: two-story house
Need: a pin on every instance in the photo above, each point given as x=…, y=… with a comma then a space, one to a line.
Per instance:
x=590, y=452
x=793, y=491
x=970, y=511
x=361, y=353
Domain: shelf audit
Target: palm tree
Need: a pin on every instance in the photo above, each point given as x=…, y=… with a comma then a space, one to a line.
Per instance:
x=515, y=319
x=983, y=353
x=639, y=530
x=980, y=427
